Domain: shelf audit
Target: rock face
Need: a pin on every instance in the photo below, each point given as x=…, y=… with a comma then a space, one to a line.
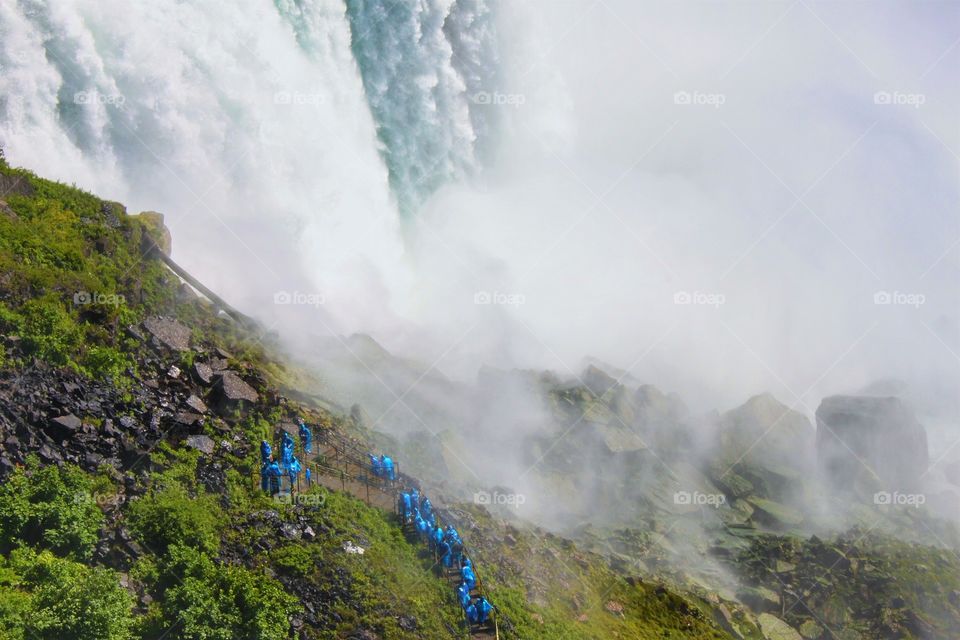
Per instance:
x=872, y=439
x=158, y=235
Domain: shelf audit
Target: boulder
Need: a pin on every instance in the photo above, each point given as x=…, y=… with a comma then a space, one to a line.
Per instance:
x=169, y=332
x=201, y=443
x=870, y=437
x=203, y=372
x=773, y=628
x=196, y=404
x=65, y=427
x=230, y=388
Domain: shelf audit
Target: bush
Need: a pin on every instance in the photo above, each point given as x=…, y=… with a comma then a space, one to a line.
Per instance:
x=170, y=516
x=49, y=331
x=67, y=600
x=50, y=508
x=222, y=602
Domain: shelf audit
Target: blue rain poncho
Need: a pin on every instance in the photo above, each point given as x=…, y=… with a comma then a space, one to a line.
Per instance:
x=468, y=576
x=407, y=508
x=387, y=463
x=471, y=611
x=463, y=595
x=306, y=437
x=294, y=470
x=264, y=477
x=415, y=498
x=286, y=449
x=274, y=474
x=265, y=451
x=484, y=608
x=375, y=465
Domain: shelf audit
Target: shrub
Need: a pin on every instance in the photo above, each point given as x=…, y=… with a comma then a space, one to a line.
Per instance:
x=170, y=516
x=50, y=508
x=223, y=602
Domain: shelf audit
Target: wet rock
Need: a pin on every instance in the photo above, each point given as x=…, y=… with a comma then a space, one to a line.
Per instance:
x=65, y=426
x=811, y=630
x=196, y=404
x=773, y=628
x=173, y=371
x=203, y=372
x=169, y=332
x=231, y=389
x=201, y=443
x=407, y=623
x=872, y=438
x=290, y=531
x=187, y=418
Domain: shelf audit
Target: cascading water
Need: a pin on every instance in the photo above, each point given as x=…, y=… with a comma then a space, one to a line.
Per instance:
x=426, y=67
x=253, y=127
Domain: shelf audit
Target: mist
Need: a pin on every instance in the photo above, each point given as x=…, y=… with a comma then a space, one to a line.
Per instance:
x=719, y=199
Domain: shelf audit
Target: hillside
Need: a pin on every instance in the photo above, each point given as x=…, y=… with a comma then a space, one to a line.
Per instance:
x=130, y=506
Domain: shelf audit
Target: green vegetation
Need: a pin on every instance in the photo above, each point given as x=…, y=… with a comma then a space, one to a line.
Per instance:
x=49, y=508
x=44, y=597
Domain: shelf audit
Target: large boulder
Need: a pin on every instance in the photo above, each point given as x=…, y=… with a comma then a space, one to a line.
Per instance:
x=169, y=332
x=872, y=439
x=231, y=391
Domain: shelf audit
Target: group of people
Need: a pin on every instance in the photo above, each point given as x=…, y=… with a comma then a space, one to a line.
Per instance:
x=417, y=509
x=273, y=470
x=383, y=466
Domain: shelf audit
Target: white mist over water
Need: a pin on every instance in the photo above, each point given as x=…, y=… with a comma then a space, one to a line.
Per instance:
x=399, y=158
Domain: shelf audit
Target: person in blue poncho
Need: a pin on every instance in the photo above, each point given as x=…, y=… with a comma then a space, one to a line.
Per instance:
x=265, y=452
x=286, y=449
x=471, y=612
x=422, y=527
x=308, y=477
x=274, y=473
x=375, y=465
x=468, y=576
x=386, y=463
x=463, y=595
x=306, y=437
x=451, y=535
x=437, y=537
x=443, y=550
x=407, y=506
x=426, y=509
x=293, y=470
x=264, y=476
x=483, y=608
x=415, y=498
